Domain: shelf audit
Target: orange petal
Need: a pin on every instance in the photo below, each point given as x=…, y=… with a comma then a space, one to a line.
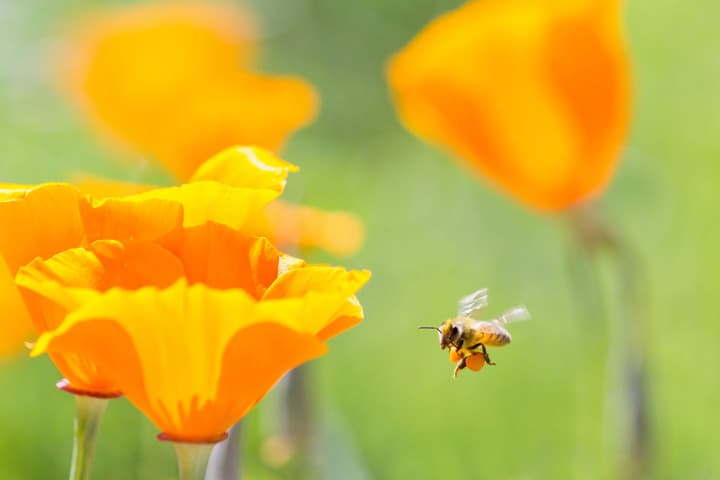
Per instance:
x=206, y=201
x=193, y=359
x=171, y=82
x=329, y=306
x=39, y=221
x=243, y=108
x=129, y=67
x=541, y=108
x=105, y=264
x=52, y=288
x=147, y=216
x=100, y=187
x=16, y=326
x=340, y=233
x=220, y=257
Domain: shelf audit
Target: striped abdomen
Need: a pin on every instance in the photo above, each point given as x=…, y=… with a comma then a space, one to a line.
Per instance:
x=491, y=334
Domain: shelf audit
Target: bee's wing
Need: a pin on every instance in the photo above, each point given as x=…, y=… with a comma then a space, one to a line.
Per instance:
x=515, y=314
x=473, y=303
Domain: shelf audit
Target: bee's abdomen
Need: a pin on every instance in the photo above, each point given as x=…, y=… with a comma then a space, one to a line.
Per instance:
x=494, y=336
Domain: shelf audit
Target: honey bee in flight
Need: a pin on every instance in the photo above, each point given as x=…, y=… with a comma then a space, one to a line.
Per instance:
x=467, y=337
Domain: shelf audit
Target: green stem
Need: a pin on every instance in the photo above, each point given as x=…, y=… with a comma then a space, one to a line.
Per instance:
x=299, y=426
x=594, y=237
x=225, y=459
x=87, y=423
x=592, y=336
x=192, y=459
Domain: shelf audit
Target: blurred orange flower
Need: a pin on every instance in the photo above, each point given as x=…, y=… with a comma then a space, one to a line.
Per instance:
x=221, y=318
x=340, y=233
x=46, y=219
x=172, y=81
x=533, y=94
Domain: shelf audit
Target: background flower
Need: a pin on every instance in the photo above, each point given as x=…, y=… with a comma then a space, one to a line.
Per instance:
x=533, y=95
x=173, y=81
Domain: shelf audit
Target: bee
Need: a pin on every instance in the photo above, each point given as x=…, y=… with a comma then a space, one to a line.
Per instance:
x=467, y=337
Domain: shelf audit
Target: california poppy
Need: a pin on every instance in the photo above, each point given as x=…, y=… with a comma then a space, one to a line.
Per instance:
x=43, y=220
x=532, y=94
x=195, y=355
x=173, y=81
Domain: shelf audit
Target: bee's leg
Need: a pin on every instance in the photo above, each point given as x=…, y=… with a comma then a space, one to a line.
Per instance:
x=485, y=354
x=459, y=366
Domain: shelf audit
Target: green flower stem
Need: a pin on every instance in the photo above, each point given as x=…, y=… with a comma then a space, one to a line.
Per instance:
x=87, y=423
x=226, y=459
x=192, y=459
x=596, y=237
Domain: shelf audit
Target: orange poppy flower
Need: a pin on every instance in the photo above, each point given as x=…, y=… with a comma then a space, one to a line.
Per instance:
x=196, y=355
x=172, y=81
x=46, y=219
x=532, y=94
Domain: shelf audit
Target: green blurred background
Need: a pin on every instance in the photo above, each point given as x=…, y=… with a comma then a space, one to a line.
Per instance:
x=385, y=401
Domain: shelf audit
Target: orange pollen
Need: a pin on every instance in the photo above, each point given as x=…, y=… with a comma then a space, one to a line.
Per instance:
x=454, y=355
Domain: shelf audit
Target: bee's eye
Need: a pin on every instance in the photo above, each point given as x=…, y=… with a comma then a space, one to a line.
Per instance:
x=454, y=332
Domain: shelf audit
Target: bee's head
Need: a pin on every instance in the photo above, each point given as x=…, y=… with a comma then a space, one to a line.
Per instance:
x=450, y=333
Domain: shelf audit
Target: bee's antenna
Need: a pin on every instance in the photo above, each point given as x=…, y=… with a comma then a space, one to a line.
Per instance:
x=424, y=327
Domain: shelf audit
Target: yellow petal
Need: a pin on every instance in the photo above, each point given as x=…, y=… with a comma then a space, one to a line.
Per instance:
x=246, y=167
x=193, y=359
x=206, y=201
x=326, y=295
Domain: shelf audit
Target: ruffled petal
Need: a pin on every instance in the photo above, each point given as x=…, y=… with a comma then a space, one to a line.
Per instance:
x=326, y=295
x=140, y=217
x=193, y=359
x=220, y=257
x=55, y=287
x=104, y=265
x=16, y=325
x=207, y=201
x=39, y=222
x=246, y=167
